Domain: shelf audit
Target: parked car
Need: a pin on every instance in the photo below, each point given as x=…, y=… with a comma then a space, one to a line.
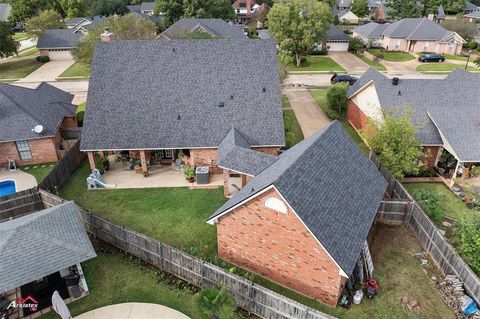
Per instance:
x=432, y=57
x=337, y=78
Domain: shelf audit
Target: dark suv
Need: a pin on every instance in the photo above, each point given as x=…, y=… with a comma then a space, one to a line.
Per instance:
x=431, y=57
x=337, y=78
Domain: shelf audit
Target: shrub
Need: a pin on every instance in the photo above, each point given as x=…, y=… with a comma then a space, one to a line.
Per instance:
x=43, y=58
x=189, y=173
x=337, y=100
x=99, y=163
x=356, y=45
x=80, y=116
x=475, y=171
x=215, y=303
x=429, y=203
x=471, y=45
x=467, y=240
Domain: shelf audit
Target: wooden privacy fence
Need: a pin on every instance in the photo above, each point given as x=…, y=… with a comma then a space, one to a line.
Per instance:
x=63, y=169
x=249, y=296
x=72, y=133
x=20, y=204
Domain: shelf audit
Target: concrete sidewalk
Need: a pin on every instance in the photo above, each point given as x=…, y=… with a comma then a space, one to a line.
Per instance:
x=133, y=310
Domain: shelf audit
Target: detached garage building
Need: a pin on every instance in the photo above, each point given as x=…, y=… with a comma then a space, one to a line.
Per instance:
x=58, y=44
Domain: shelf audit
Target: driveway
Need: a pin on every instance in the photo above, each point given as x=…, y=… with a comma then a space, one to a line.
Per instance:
x=308, y=113
x=349, y=62
x=48, y=72
x=133, y=310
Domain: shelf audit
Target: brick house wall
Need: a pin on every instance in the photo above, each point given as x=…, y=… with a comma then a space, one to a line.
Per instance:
x=431, y=154
x=355, y=116
x=44, y=52
x=279, y=247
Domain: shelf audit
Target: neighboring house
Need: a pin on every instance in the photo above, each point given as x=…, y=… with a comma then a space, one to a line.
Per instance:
x=5, y=9
x=472, y=17
x=58, y=44
x=303, y=221
x=202, y=89
x=443, y=109
x=421, y=35
x=344, y=4
x=248, y=11
x=157, y=19
x=370, y=33
x=380, y=13
x=440, y=14
x=470, y=7
x=216, y=28
x=148, y=8
x=22, y=109
x=347, y=17
x=337, y=40
x=84, y=24
x=41, y=253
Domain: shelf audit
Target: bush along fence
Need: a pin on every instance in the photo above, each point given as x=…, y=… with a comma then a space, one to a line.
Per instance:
x=401, y=206
x=248, y=295
x=64, y=168
x=20, y=204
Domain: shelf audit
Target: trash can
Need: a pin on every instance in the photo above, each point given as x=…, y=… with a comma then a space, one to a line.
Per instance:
x=202, y=174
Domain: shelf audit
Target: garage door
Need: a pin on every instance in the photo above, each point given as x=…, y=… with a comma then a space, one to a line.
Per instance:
x=60, y=55
x=337, y=46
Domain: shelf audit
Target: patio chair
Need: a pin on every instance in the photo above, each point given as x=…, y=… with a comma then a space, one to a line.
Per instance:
x=12, y=167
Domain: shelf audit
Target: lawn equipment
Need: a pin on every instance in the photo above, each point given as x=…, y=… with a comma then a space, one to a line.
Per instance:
x=371, y=286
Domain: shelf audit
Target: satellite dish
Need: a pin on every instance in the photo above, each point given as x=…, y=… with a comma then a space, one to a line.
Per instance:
x=38, y=129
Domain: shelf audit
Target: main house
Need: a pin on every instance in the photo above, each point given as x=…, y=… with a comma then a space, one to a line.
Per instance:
x=32, y=121
x=303, y=220
x=215, y=28
x=444, y=109
x=183, y=105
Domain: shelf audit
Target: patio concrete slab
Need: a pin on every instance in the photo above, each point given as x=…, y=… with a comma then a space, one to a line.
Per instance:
x=22, y=180
x=133, y=310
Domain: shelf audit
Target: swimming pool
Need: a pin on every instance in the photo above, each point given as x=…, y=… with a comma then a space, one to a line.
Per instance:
x=7, y=187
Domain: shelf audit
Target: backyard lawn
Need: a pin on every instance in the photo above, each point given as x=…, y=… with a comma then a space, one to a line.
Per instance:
x=20, y=36
x=293, y=131
x=442, y=67
x=76, y=70
x=176, y=216
x=392, y=56
x=378, y=66
x=18, y=69
x=317, y=63
x=38, y=171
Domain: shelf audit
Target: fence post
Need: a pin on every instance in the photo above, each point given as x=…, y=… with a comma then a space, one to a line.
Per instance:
x=162, y=258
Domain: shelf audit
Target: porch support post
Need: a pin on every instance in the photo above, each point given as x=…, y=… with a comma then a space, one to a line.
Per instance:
x=244, y=180
x=91, y=160
x=226, y=182
x=452, y=181
x=143, y=161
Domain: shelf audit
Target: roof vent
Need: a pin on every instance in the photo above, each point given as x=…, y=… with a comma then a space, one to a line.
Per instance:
x=38, y=129
x=179, y=117
x=221, y=104
x=231, y=97
x=264, y=90
x=395, y=81
x=399, y=93
x=173, y=49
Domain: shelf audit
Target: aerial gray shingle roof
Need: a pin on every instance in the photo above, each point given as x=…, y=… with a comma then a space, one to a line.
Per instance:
x=147, y=6
x=40, y=244
x=331, y=185
x=5, y=9
x=440, y=12
x=470, y=6
x=371, y=30
x=215, y=27
x=59, y=39
x=446, y=105
x=184, y=94
x=21, y=109
x=134, y=8
x=417, y=29
x=263, y=34
x=335, y=34
x=344, y=3
x=473, y=15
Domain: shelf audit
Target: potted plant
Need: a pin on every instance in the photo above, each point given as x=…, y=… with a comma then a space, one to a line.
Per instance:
x=106, y=163
x=189, y=173
x=100, y=164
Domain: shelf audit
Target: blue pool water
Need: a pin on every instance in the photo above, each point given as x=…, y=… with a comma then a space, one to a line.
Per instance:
x=7, y=188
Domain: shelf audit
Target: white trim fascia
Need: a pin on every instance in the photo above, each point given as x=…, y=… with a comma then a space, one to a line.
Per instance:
x=362, y=88
x=446, y=145
x=165, y=148
x=229, y=169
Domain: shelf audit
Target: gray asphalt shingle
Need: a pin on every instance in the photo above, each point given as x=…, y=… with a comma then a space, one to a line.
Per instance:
x=331, y=185
x=216, y=27
x=184, y=94
x=335, y=34
x=417, y=29
x=371, y=30
x=59, y=39
x=40, y=244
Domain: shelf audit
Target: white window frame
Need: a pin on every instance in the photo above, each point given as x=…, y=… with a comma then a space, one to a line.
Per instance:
x=24, y=150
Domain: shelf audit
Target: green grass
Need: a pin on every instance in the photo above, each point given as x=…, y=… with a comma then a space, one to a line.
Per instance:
x=320, y=96
x=18, y=69
x=442, y=67
x=176, y=216
x=317, y=63
x=114, y=279
x=449, y=204
x=81, y=107
x=28, y=52
x=456, y=57
x=293, y=131
x=378, y=66
x=76, y=70
x=39, y=171
x=20, y=36
x=356, y=137
x=392, y=56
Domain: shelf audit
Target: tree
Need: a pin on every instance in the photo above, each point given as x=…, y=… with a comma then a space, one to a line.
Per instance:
x=427, y=7
x=24, y=9
x=356, y=45
x=109, y=7
x=75, y=8
x=403, y=9
x=298, y=24
x=337, y=100
x=464, y=28
x=395, y=142
x=48, y=19
x=360, y=8
x=215, y=303
x=477, y=62
x=7, y=45
x=454, y=6
x=127, y=27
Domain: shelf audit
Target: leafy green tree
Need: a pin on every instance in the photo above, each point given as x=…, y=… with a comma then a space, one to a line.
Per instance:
x=298, y=24
x=428, y=200
x=127, y=27
x=7, y=45
x=360, y=8
x=464, y=28
x=75, y=8
x=337, y=100
x=395, y=142
x=467, y=240
x=356, y=45
x=24, y=9
x=426, y=7
x=216, y=304
x=454, y=6
x=48, y=19
x=109, y=7
x=403, y=9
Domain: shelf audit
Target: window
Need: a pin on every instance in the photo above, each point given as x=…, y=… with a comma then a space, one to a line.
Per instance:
x=24, y=150
x=397, y=44
x=425, y=46
x=276, y=204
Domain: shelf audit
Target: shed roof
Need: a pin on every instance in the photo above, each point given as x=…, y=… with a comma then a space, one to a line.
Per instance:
x=334, y=189
x=40, y=244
